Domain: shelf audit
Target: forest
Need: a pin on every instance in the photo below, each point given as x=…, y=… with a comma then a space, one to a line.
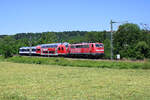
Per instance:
x=129, y=40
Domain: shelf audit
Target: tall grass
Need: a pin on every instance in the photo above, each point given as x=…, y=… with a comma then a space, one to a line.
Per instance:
x=80, y=63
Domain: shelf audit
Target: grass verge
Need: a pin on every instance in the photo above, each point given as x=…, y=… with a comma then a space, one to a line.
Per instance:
x=80, y=63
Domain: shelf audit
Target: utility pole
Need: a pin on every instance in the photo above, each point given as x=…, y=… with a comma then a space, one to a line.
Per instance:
x=111, y=26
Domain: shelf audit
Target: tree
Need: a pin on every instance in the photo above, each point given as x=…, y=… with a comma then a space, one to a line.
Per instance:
x=94, y=36
x=48, y=37
x=7, y=51
x=8, y=46
x=126, y=38
x=142, y=50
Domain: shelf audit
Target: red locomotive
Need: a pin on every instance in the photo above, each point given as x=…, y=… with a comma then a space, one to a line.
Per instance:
x=90, y=49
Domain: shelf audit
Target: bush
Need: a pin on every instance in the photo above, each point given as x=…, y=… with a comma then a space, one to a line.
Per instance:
x=107, y=49
x=7, y=53
x=139, y=55
x=141, y=50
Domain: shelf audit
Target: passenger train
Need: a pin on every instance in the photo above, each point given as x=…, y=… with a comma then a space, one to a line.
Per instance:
x=64, y=49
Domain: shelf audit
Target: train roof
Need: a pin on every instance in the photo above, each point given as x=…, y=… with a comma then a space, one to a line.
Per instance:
x=84, y=43
x=52, y=44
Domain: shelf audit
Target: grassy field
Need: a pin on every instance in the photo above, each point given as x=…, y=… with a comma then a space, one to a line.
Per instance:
x=54, y=82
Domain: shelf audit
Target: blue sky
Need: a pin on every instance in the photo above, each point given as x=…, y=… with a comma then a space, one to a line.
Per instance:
x=18, y=16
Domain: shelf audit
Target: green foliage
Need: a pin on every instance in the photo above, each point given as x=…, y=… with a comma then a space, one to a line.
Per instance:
x=107, y=48
x=7, y=47
x=131, y=42
x=7, y=52
x=95, y=36
x=141, y=50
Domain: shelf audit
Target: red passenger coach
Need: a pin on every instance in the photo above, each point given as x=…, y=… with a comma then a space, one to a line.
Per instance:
x=49, y=49
x=53, y=49
x=95, y=49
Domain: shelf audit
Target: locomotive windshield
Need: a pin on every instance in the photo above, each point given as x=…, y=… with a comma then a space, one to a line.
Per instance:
x=80, y=46
x=99, y=45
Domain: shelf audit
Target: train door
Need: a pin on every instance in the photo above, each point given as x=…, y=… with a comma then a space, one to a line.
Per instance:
x=92, y=47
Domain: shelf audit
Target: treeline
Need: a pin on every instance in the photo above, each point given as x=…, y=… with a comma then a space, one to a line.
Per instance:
x=129, y=41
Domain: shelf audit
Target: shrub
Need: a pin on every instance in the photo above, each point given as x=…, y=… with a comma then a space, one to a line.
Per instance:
x=141, y=50
x=7, y=54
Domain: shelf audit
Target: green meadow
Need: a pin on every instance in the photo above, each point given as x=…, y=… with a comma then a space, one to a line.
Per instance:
x=80, y=62
x=21, y=81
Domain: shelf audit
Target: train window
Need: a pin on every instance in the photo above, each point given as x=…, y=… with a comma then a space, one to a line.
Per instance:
x=53, y=46
x=82, y=46
x=66, y=46
x=23, y=50
x=72, y=46
x=99, y=45
x=51, y=51
x=43, y=46
x=85, y=46
x=59, y=48
x=62, y=48
x=92, y=45
x=78, y=46
x=45, y=51
x=33, y=49
x=38, y=49
x=49, y=46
